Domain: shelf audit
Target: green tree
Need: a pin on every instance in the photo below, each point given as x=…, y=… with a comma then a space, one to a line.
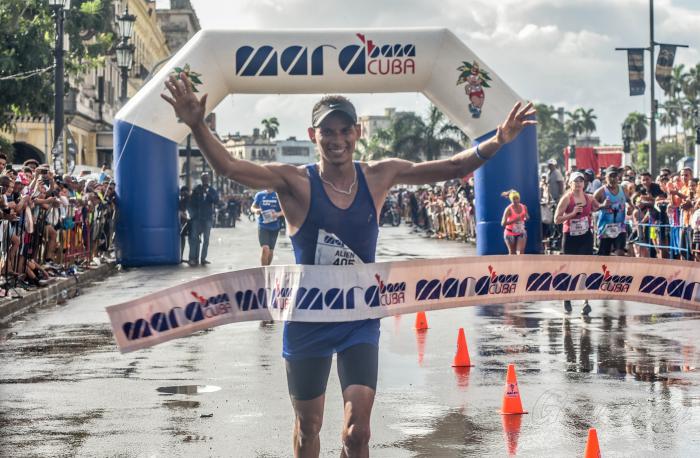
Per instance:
x=691, y=83
x=668, y=116
x=551, y=136
x=374, y=148
x=574, y=125
x=587, y=120
x=675, y=88
x=7, y=149
x=412, y=138
x=668, y=154
x=270, y=128
x=27, y=37
x=638, y=122
x=641, y=151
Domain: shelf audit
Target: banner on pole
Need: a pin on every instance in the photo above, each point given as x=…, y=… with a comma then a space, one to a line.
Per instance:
x=664, y=66
x=635, y=63
x=348, y=293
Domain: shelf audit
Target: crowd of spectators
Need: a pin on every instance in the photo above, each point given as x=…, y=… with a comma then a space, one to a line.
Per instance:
x=442, y=211
x=51, y=225
x=661, y=214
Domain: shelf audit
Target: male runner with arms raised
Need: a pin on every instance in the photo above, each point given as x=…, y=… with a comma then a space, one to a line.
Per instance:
x=335, y=201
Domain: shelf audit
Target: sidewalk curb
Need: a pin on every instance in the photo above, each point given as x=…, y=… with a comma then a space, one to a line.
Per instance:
x=60, y=291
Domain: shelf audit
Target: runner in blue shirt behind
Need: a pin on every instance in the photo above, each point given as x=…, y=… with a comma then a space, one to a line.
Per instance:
x=267, y=206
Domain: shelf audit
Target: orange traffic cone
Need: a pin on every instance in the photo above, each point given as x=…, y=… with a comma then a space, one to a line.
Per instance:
x=462, y=355
x=511, y=397
x=421, y=321
x=511, y=432
x=592, y=448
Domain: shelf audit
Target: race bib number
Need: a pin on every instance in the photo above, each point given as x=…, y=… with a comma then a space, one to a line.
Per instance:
x=611, y=231
x=330, y=250
x=268, y=216
x=519, y=227
x=578, y=226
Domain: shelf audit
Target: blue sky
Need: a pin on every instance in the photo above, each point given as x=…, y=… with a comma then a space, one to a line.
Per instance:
x=559, y=52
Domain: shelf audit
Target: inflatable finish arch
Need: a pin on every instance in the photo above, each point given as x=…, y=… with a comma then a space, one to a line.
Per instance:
x=432, y=61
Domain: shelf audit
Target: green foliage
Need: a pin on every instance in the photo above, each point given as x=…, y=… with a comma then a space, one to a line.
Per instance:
x=91, y=8
x=580, y=121
x=641, y=161
x=372, y=149
x=466, y=69
x=551, y=136
x=415, y=139
x=667, y=154
x=27, y=39
x=7, y=149
x=639, y=123
x=270, y=128
x=193, y=76
x=683, y=98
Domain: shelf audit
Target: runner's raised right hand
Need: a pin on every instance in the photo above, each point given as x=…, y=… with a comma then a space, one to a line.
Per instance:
x=188, y=108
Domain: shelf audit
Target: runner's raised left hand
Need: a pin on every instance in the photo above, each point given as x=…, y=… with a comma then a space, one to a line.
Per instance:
x=515, y=123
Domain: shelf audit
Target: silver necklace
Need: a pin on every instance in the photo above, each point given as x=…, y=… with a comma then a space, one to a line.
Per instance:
x=348, y=192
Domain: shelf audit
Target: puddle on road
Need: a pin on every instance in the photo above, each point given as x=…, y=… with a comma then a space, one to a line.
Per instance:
x=174, y=404
x=188, y=389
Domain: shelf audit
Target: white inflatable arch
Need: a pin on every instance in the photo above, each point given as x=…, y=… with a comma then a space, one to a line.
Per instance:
x=431, y=61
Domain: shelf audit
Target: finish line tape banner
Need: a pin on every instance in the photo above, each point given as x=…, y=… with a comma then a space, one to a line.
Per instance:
x=348, y=293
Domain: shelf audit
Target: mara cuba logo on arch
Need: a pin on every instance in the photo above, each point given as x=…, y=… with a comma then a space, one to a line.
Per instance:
x=564, y=281
x=367, y=57
x=491, y=284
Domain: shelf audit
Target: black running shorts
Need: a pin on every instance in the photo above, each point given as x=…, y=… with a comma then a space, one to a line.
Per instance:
x=307, y=378
x=268, y=237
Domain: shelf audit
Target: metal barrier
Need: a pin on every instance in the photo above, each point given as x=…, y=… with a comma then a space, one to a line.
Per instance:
x=75, y=239
x=679, y=238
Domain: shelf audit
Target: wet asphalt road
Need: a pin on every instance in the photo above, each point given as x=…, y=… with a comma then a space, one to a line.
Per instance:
x=630, y=371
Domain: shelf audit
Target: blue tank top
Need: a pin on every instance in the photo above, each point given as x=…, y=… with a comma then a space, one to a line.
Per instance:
x=616, y=212
x=357, y=227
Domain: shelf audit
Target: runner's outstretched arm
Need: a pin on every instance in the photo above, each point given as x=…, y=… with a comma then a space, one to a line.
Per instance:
x=190, y=110
x=461, y=164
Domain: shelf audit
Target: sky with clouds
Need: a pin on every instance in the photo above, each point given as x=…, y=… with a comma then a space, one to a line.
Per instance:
x=559, y=52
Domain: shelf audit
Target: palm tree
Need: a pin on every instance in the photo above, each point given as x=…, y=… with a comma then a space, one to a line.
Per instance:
x=675, y=87
x=547, y=115
x=574, y=125
x=427, y=138
x=587, y=120
x=691, y=83
x=639, y=124
x=270, y=128
x=668, y=116
x=374, y=148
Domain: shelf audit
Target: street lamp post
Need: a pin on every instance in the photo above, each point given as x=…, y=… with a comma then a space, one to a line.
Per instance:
x=125, y=50
x=626, y=140
x=59, y=6
x=572, y=152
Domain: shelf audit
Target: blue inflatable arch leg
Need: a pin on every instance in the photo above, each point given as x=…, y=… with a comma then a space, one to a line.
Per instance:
x=145, y=167
x=514, y=167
